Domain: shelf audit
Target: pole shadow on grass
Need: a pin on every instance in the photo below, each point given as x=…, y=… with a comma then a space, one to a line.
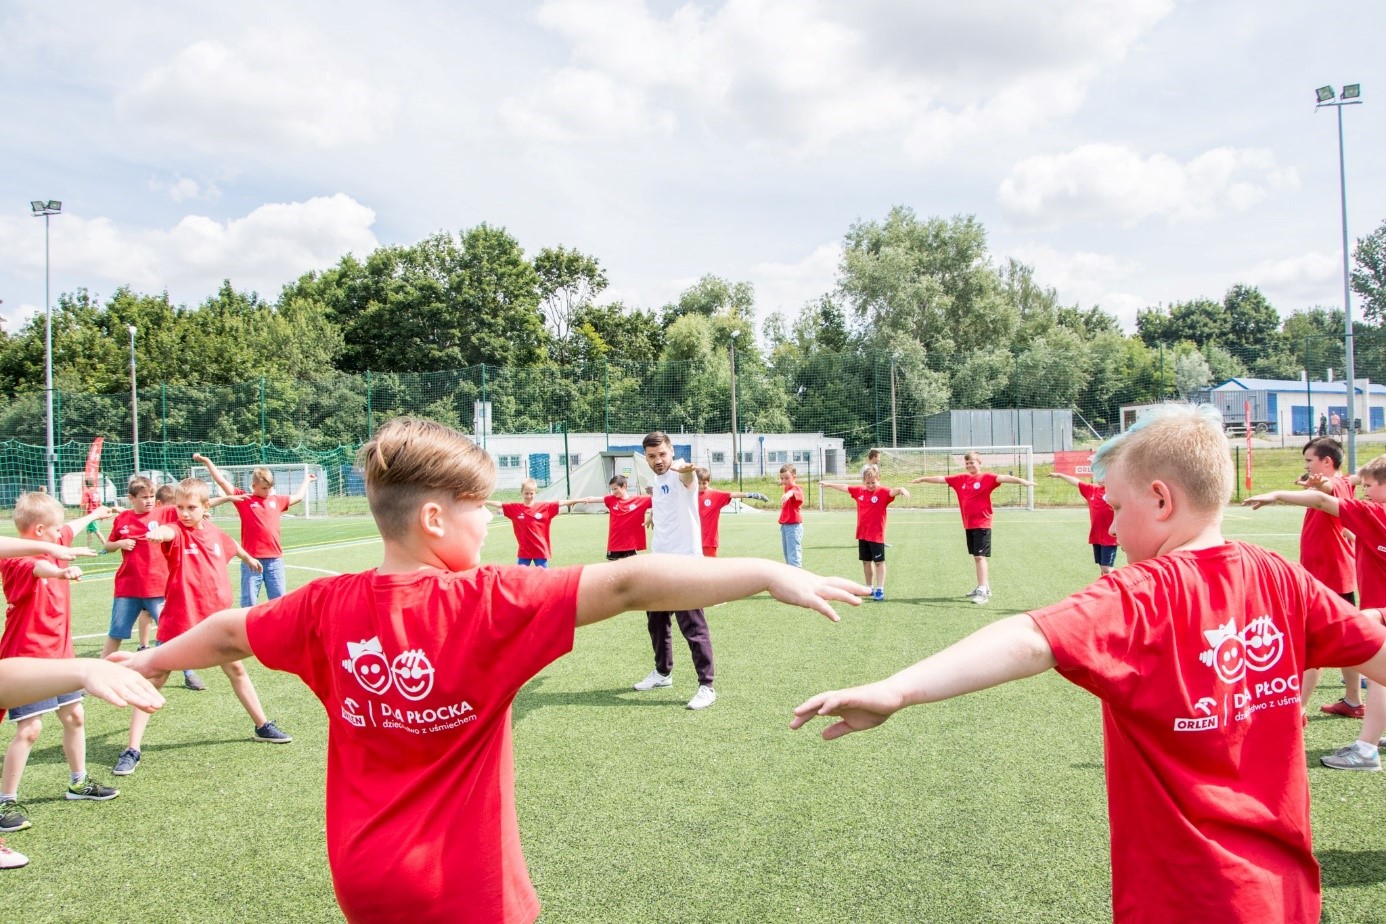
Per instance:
x=531, y=698
x=1343, y=868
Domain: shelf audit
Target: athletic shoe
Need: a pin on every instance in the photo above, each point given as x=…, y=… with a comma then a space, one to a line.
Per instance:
x=878, y=595
x=127, y=762
x=193, y=682
x=705, y=697
x=12, y=817
x=1349, y=758
x=91, y=790
x=973, y=592
x=654, y=680
x=1345, y=709
x=11, y=859
x=271, y=733
x=981, y=596
x=142, y=648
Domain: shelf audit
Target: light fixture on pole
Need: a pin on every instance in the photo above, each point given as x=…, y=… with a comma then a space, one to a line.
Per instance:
x=1351, y=96
x=134, y=404
x=46, y=210
x=736, y=437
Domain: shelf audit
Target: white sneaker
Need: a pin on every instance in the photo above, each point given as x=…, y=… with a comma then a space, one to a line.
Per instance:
x=981, y=596
x=11, y=859
x=972, y=593
x=705, y=697
x=655, y=679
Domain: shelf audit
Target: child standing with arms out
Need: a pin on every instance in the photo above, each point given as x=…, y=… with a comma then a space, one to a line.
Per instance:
x=973, y=487
x=1104, y=544
x=625, y=534
x=872, y=499
x=532, y=521
x=259, y=511
x=710, y=505
x=197, y=553
x=792, y=517
x=38, y=624
x=1190, y=648
x=417, y=663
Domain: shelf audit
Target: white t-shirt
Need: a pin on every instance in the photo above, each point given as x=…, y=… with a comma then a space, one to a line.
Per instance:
x=677, y=529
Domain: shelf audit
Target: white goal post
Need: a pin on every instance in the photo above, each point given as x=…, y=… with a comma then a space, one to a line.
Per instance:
x=288, y=478
x=902, y=464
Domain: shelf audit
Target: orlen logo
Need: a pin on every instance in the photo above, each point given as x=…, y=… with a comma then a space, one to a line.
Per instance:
x=1257, y=647
x=410, y=672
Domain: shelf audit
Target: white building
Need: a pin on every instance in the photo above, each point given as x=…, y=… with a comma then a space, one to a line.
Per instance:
x=1296, y=407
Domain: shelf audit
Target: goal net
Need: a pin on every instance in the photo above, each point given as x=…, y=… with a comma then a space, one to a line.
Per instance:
x=288, y=478
x=901, y=465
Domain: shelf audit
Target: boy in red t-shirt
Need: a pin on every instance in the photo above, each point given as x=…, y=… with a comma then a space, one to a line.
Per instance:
x=973, y=487
x=792, y=517
x=1104, y=544
x=1195, y=649
x=532, y=521
x=417, y=663
x=197, y=553
x=872, y=499
x=710, y=505
x=625, y=534
x=38, y=624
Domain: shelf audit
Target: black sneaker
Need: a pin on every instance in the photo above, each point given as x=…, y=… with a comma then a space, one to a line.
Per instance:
x=91, y=790
x=12, y=817
x=193, y=682
x=127, y=762
x=271, y=733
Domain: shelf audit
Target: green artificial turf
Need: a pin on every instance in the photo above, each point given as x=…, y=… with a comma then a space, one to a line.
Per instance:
x=989, y=808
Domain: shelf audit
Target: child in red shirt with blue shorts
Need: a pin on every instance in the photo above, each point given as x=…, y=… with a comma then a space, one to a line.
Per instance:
x=532, y=521
x=1104, y=544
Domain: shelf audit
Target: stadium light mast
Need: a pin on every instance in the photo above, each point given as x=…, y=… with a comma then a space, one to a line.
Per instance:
x=736, y=435
x=46, y=210
x=1351, y=96
x=134, y=404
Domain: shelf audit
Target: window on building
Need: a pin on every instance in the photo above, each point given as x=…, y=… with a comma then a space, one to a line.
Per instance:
x=508, y=461
x=803, y=455
x=719, y=458
x=777, y=456
x=563, y=460
x=748, y=458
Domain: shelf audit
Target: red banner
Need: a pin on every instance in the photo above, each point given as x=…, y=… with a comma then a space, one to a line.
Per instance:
x=1075, y=462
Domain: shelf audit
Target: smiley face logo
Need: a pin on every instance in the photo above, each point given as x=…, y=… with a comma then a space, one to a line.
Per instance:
x=413, y=674
x=1226, y=653
x=368, y=665
x=1264, y=643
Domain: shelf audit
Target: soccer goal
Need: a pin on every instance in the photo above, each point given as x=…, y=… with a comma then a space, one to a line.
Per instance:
x=288, y=478
x=901, y=465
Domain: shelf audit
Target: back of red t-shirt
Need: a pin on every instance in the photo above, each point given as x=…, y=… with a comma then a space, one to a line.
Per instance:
x=871, y=511
x=1368, y=523
x=974, y=497
x=1100, y=514
x=532, y=525
x=710, y=504
x=1325, y=550
x=38, y=611
x=143, y=571
x=260, y=523
x=626, y=531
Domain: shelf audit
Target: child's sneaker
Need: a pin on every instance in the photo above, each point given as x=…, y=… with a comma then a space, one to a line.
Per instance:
x=271, y=733
x=193, y=682
x=705, y=697
x=91, y=790
x=973, y=592
x=1352, y=758
x=1345, y=709
x=878, y=595
x=11, y=859
x=127, y=762
x=653, y=680
x=12, y=817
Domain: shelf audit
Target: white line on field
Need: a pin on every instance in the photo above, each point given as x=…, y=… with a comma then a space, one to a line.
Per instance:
x=317, y=570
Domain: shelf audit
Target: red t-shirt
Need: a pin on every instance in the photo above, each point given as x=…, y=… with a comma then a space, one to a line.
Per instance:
x=260, y=523
x=91, y=499
x=626, y=531
x=710, y=504
x=1100, y=513
x=791, y=510
x=38, y=611
x=871, y=511
x=1196, y=657
x=974, y=497
x=417, y=673
x=1325, y=550
x=143, y=571
x=197, y=582
x=1368, y=523
x=532, y=525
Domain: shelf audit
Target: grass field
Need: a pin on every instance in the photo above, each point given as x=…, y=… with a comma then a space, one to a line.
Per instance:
x=986, y=809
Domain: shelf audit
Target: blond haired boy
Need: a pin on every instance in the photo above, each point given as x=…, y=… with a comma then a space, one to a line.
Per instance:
x=532, y=520
x=1195, y=649
x=417, y=663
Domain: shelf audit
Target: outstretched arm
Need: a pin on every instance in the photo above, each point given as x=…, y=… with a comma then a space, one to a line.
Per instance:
x=22, y=548
x=1315, y=499
x=218, y=639
x=1011, y=479
x=28, y=680
x=1003, y=651
x=100, y=513
x=1069, y=478
x=899, y=492
x=226, y=486
x=302, y=492
x=835, y=485
x=929, y=479
x=50, y=571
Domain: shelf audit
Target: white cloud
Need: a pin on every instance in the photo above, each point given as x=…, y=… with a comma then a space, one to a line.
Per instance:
x=180, y=188
x=787, y=286
x=1112, y=184
x=1301, y=281
x=1087, y=279
x=577, y=104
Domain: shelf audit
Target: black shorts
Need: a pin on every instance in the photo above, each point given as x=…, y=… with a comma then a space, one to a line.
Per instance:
x=1104, y=555
x=979, y=542
x=617, y=556
x=870, y=551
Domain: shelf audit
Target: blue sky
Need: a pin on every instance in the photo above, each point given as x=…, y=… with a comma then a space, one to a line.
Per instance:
x=1135, y=152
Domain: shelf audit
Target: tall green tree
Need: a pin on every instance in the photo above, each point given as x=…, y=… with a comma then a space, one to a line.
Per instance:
x=1369, y=274
x=569, y=281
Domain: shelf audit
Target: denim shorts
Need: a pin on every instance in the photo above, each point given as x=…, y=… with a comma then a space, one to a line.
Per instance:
x=125, y=610
x=536, y=562
x=1104, y=555
x=52, y=704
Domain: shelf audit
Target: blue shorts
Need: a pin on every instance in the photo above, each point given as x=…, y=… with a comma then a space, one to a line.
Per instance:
x=52, y=704
x=125, y=610
x=536, y=562
x=1104, y=555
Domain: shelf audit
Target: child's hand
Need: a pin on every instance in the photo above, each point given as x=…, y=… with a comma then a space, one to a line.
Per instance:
x=804, y=588
x=125, y=545
x=254, y=564
x=312, y=477
x=200, y=458
x=857, y=709
x=756, y=495
x=1259, y=501
x=119, y=685
x=102, y=513
x=71, y=573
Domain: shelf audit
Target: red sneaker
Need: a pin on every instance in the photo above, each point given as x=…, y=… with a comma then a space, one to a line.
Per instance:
x=1345, y=709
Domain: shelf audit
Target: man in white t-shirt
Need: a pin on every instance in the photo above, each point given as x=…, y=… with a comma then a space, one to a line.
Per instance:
x=677, y=531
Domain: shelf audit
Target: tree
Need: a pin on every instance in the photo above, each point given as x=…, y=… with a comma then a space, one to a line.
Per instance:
x=614, y=333
x=712, y=295
x=1253, y=325
x=1369, y=274
x=568, y=282
x=1191, y=373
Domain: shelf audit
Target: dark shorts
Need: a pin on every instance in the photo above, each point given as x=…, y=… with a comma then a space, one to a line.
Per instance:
x=979, y=542
x=1104, y=555
x=617, y=556
x=45, y=706
x=870, y=551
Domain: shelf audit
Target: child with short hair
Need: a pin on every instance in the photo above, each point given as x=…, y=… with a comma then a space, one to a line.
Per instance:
x=259, y=511
x=872, y=499
x=197, y=553
x=38, y=624
x=974, y=487
x=532, y=521
x=792, y=517
x=1104, y=544
x=625, y=534
x=417, y=663
x=1191, y=648
x=710, y=506
x=873, y=457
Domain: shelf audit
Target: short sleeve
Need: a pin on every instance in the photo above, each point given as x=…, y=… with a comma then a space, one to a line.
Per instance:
x=855, y=492
x=285, y=636
x=1336, y=634
x=533, y=617
x=1091, y=636
x=1086, y=490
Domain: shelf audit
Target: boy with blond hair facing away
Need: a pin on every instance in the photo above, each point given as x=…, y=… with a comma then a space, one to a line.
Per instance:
x=38, y=624
x=792, y=517
x=710, y=506
x=532, y=521
x=197, y=553
x=1195, y=648
x=625, y=533
x=259, y=511
x=1367, y=521
x=1104, y=544
x=417, y=663
x=974, y=488
x=872, y=499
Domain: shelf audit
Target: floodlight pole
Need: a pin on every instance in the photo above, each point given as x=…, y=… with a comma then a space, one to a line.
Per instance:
x=736, y=436
x=134, y=404
x=48, y=209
